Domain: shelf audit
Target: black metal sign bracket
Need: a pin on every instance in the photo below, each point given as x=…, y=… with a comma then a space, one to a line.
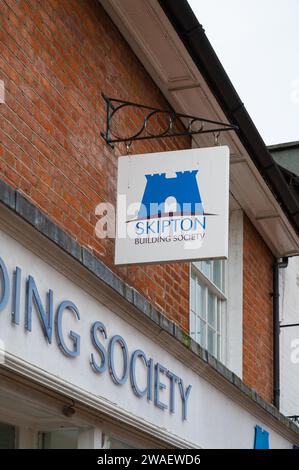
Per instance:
x=170, y=120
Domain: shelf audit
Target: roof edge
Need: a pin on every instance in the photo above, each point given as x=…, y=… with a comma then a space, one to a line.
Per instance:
x=284, y=146
x=193, y=36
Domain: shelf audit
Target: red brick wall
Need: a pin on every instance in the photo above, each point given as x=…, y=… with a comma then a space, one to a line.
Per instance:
x=56, y=57
x=257, y=313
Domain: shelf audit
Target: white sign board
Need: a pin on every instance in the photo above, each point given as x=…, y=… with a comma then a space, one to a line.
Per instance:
x=172, y=206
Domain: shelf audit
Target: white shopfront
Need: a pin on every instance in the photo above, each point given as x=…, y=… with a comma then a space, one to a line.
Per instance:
x=63, y=361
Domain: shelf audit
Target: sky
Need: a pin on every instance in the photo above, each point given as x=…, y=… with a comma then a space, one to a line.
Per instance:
x=257, y=42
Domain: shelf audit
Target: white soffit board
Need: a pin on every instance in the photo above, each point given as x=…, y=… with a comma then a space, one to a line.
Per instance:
x=242, y=183
x=276, y=235
x=148, y=34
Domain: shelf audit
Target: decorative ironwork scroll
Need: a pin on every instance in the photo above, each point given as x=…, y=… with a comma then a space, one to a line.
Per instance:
x=144, y=122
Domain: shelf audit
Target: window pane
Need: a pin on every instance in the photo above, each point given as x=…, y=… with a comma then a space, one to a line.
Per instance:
x=193, y=292
x=219, y=303
x=117, y=444
x=218, y=346
x=200, y=300
x=206, y=267
x=211, y=310
x=211, y=341
x=201, y=334
x=192, y=325
x=208, y=306
x=61, y=439
x=217, y=273
x=7, y=436
x=197, y=264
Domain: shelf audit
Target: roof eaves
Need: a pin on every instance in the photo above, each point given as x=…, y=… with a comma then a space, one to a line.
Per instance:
x=202, y=53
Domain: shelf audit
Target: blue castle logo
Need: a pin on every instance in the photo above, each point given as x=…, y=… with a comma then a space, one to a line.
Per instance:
x=183, y=188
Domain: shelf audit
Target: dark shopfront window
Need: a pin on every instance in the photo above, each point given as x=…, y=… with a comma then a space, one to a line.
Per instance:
x=7, y=436
x=60, y=439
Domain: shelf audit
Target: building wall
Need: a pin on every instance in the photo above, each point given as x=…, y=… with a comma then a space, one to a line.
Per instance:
x=287, y=155
x=289, y=338
x=234, y=346
x=56, y=59
x=221, y=416
x=257, y=313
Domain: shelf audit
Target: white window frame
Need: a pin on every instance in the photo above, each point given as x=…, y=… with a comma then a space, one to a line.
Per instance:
x=221, y=295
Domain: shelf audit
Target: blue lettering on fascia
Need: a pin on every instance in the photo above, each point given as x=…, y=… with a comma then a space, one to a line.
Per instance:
x=159, y=370
x=153, y=380
x=65, y=306
x=16, y=296
x=5, y=285
x=138, y=354
x=45, y=315
x=119, y=380
x=96, y=366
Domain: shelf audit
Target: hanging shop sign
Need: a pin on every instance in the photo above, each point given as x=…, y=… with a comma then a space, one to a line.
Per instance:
x=173, y=206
